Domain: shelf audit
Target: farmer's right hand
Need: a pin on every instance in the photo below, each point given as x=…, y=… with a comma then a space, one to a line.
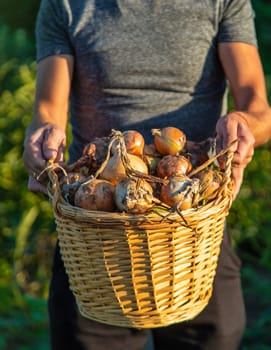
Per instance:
x=41, y=145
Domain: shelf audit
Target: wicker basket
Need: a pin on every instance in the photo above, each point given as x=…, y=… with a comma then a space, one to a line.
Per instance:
x=139, y=270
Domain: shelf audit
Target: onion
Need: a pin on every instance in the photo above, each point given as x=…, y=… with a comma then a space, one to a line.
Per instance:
x=93, y=156
x=71, y=178
x=169, y=140
x=97, y=149
x=134, y=196
x=69, y=185
x=198, y=152
x=151, y=157
x=173, y=165
x=180, y=191
x=115, y=169
x=210, y=181
x=134, y=142
x=150, y=150
x=95, y=194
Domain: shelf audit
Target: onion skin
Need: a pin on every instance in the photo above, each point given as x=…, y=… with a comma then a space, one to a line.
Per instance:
x=150, y=150
x=94, y=153
x=178, y=191
x=151, y=157
x=115, y=170
x=69, y=185
x=173, y=165
x=96, y=195
x=134, y=142
x=169, y=140
x=198, y=152
x=210, y=182
x=197, y=159
x=134, y=196
x=71, y=178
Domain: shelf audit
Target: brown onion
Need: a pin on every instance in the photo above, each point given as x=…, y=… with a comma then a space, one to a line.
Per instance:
x=95, y=195
x=134, y=142
x=151, y=157
x=180, y=190
x=97, y=148
x=134, y=196
x=210, y=182
x=115, y=169
x=198, y=152
x=93, y=156
x=169, y=140
x=173, y=165
x=69, y=185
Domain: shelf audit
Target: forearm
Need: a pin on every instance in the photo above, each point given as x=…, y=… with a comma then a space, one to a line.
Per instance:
x=242, y=66
x=46, y=114
x=53, y=83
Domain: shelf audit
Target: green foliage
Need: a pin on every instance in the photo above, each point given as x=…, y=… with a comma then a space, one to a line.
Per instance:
x=19, y=14
x=257, y=294
x=22, y=214
x=14, y=44
x=21, y=324
x=262, y=10
x=27, y=229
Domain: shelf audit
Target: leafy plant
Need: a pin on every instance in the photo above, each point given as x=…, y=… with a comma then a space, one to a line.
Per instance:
x=262, y=10
x=21, y=15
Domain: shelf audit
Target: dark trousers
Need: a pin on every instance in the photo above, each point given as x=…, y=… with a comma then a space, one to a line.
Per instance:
x=219, y=327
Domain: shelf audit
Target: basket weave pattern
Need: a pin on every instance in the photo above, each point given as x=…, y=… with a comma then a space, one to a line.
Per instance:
x=139, y=270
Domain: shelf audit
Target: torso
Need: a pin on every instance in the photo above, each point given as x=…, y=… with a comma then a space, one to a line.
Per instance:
x=143, y=64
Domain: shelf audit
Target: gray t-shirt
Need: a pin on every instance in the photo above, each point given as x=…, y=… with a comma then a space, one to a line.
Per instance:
x=143, y=64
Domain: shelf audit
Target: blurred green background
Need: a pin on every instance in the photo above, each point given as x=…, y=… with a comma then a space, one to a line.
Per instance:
x=27, y=235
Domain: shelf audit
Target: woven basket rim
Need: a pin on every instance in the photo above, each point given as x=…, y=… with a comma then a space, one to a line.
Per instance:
x=215, y=206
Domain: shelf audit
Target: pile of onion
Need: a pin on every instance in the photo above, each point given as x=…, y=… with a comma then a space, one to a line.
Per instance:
x=123, y=173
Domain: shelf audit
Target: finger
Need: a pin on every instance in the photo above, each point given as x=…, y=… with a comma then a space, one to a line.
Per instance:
x=245, y=150
x=219, y=143
x=226, y=133
x=240, y=160
x=35, y=186
x=53, y=144
x=231, y=127
x=60, y=155
x=32, y=155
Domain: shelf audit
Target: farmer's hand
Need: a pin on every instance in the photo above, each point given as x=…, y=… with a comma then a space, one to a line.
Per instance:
x=229, y=128
x=41, y=145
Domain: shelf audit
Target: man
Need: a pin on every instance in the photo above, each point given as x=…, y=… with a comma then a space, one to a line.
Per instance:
x=140, y=65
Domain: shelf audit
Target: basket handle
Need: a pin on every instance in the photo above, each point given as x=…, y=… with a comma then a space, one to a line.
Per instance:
x=228, y=165
x=53, y=188
x=212, y=159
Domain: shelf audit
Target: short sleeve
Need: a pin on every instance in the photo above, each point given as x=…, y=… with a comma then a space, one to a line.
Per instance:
x=237, y=22
x=52, y=30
